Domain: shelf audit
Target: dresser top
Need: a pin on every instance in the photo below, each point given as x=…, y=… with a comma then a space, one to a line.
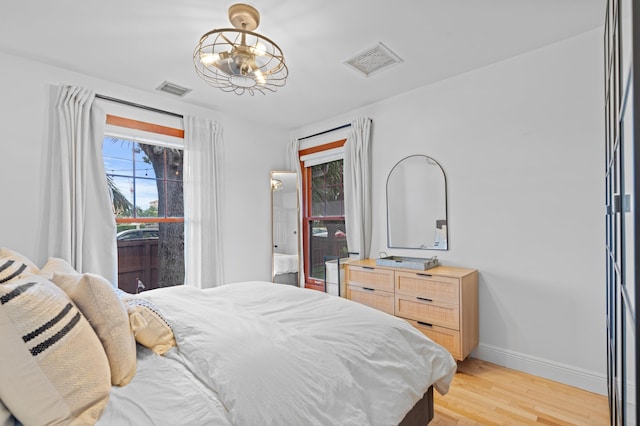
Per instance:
x=445, y=271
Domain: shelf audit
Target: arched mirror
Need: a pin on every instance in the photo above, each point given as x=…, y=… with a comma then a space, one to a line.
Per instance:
x=417, y=204
x=284, y=227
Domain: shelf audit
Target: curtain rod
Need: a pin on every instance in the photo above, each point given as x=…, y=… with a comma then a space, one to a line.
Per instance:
x=344, y=126
x=326, y=131
x=133, y=104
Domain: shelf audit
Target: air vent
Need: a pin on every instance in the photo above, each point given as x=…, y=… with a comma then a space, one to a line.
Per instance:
x=172, y=88
x=374, y=60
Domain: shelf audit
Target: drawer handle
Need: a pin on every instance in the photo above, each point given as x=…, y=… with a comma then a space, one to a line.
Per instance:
x=368, y=267
x=423, y=275
x=424, y=299
x=368, y=289
x=425, y=324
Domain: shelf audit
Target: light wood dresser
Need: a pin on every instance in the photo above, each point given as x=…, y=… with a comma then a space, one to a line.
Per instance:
x=441, y=302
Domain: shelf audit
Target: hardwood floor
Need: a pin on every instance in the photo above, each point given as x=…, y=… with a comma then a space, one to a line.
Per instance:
x=486, y=394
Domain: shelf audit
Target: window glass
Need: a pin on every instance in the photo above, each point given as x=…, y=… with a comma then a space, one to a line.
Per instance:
x=145, y=180
x=147, y=193
x=326, y=232
x=327, y=189
x=328, y=238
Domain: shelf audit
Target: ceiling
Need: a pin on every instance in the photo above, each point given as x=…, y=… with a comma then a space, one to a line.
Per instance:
x=141, y=43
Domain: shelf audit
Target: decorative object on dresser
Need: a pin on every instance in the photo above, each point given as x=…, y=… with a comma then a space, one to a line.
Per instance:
x=408, y=262
x=441, y=302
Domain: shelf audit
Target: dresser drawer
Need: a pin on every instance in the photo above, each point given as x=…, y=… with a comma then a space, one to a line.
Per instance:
x=443, y=289
x=419, y=309
x=362, y=276
x=378, y=299
x=449, y=339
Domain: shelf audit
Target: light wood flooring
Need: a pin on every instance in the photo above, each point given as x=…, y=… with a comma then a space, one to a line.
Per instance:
x=486, y=394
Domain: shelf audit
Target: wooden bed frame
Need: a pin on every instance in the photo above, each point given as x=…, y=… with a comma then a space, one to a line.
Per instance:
x=421, y=413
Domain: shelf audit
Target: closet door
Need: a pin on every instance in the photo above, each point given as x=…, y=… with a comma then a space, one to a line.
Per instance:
x=621, y=169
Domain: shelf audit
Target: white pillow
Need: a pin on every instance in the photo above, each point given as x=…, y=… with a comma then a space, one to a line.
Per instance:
x=97, y=300
x=14, y=265
x=56, y=265
x=53, y=369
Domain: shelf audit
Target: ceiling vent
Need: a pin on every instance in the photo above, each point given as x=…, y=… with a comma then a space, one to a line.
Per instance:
x=172, y=88
x=374, y=60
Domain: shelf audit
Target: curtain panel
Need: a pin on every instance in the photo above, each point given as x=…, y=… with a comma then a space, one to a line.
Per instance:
x=357, y=187
x=79, y=225
x=203, y=194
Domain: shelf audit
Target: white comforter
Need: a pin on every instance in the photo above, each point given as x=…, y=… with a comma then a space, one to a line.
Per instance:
x=268, y=354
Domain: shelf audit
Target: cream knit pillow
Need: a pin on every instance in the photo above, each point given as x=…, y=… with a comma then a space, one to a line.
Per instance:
x=53, y=369
x=97, y=300
x=56, y=266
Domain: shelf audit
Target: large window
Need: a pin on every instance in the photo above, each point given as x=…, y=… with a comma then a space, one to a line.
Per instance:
x=147, y=193
x=324, y=226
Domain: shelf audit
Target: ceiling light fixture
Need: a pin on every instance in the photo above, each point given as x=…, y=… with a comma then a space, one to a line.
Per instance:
x=239, y=60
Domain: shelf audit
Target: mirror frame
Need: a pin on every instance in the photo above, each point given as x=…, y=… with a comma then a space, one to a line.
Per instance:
x=297, y=223
x=446, y=209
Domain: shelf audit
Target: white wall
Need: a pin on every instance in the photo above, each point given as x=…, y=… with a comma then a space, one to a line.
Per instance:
x=251, y=151
x=521, y=143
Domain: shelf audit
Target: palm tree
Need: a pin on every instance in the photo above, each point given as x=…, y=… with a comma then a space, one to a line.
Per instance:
x=121, y=206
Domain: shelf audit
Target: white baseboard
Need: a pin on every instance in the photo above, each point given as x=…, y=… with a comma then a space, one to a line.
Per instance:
x=567, y=374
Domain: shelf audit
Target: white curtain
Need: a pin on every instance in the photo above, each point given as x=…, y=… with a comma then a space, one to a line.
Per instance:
x=203, y=184
x=357, y=187
x=293, y=160
x=79, y=222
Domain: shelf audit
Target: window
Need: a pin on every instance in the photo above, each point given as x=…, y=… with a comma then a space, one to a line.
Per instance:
x=145, y=180
x=323, y=222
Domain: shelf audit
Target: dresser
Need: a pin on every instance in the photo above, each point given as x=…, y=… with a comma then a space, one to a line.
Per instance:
x=441, y=302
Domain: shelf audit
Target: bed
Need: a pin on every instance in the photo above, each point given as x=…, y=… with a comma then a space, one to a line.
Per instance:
x=285, y=268
x=250, y=353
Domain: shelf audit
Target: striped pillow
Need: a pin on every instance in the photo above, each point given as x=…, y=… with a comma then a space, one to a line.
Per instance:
x=13, y=265
x=54, y=369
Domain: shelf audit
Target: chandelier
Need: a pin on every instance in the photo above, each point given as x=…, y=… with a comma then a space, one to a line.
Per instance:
x=239, y=60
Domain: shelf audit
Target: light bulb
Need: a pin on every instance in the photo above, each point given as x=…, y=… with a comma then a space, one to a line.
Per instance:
x=259, y=49
x=209, y=58
x=259, y=77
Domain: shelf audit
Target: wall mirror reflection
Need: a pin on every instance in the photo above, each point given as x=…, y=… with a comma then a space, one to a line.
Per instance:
x=417, y=204
x=284, y=227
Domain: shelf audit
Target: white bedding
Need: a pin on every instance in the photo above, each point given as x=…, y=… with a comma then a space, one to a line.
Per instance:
x=163, y=392
x=266, y=354
x=285, y=263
